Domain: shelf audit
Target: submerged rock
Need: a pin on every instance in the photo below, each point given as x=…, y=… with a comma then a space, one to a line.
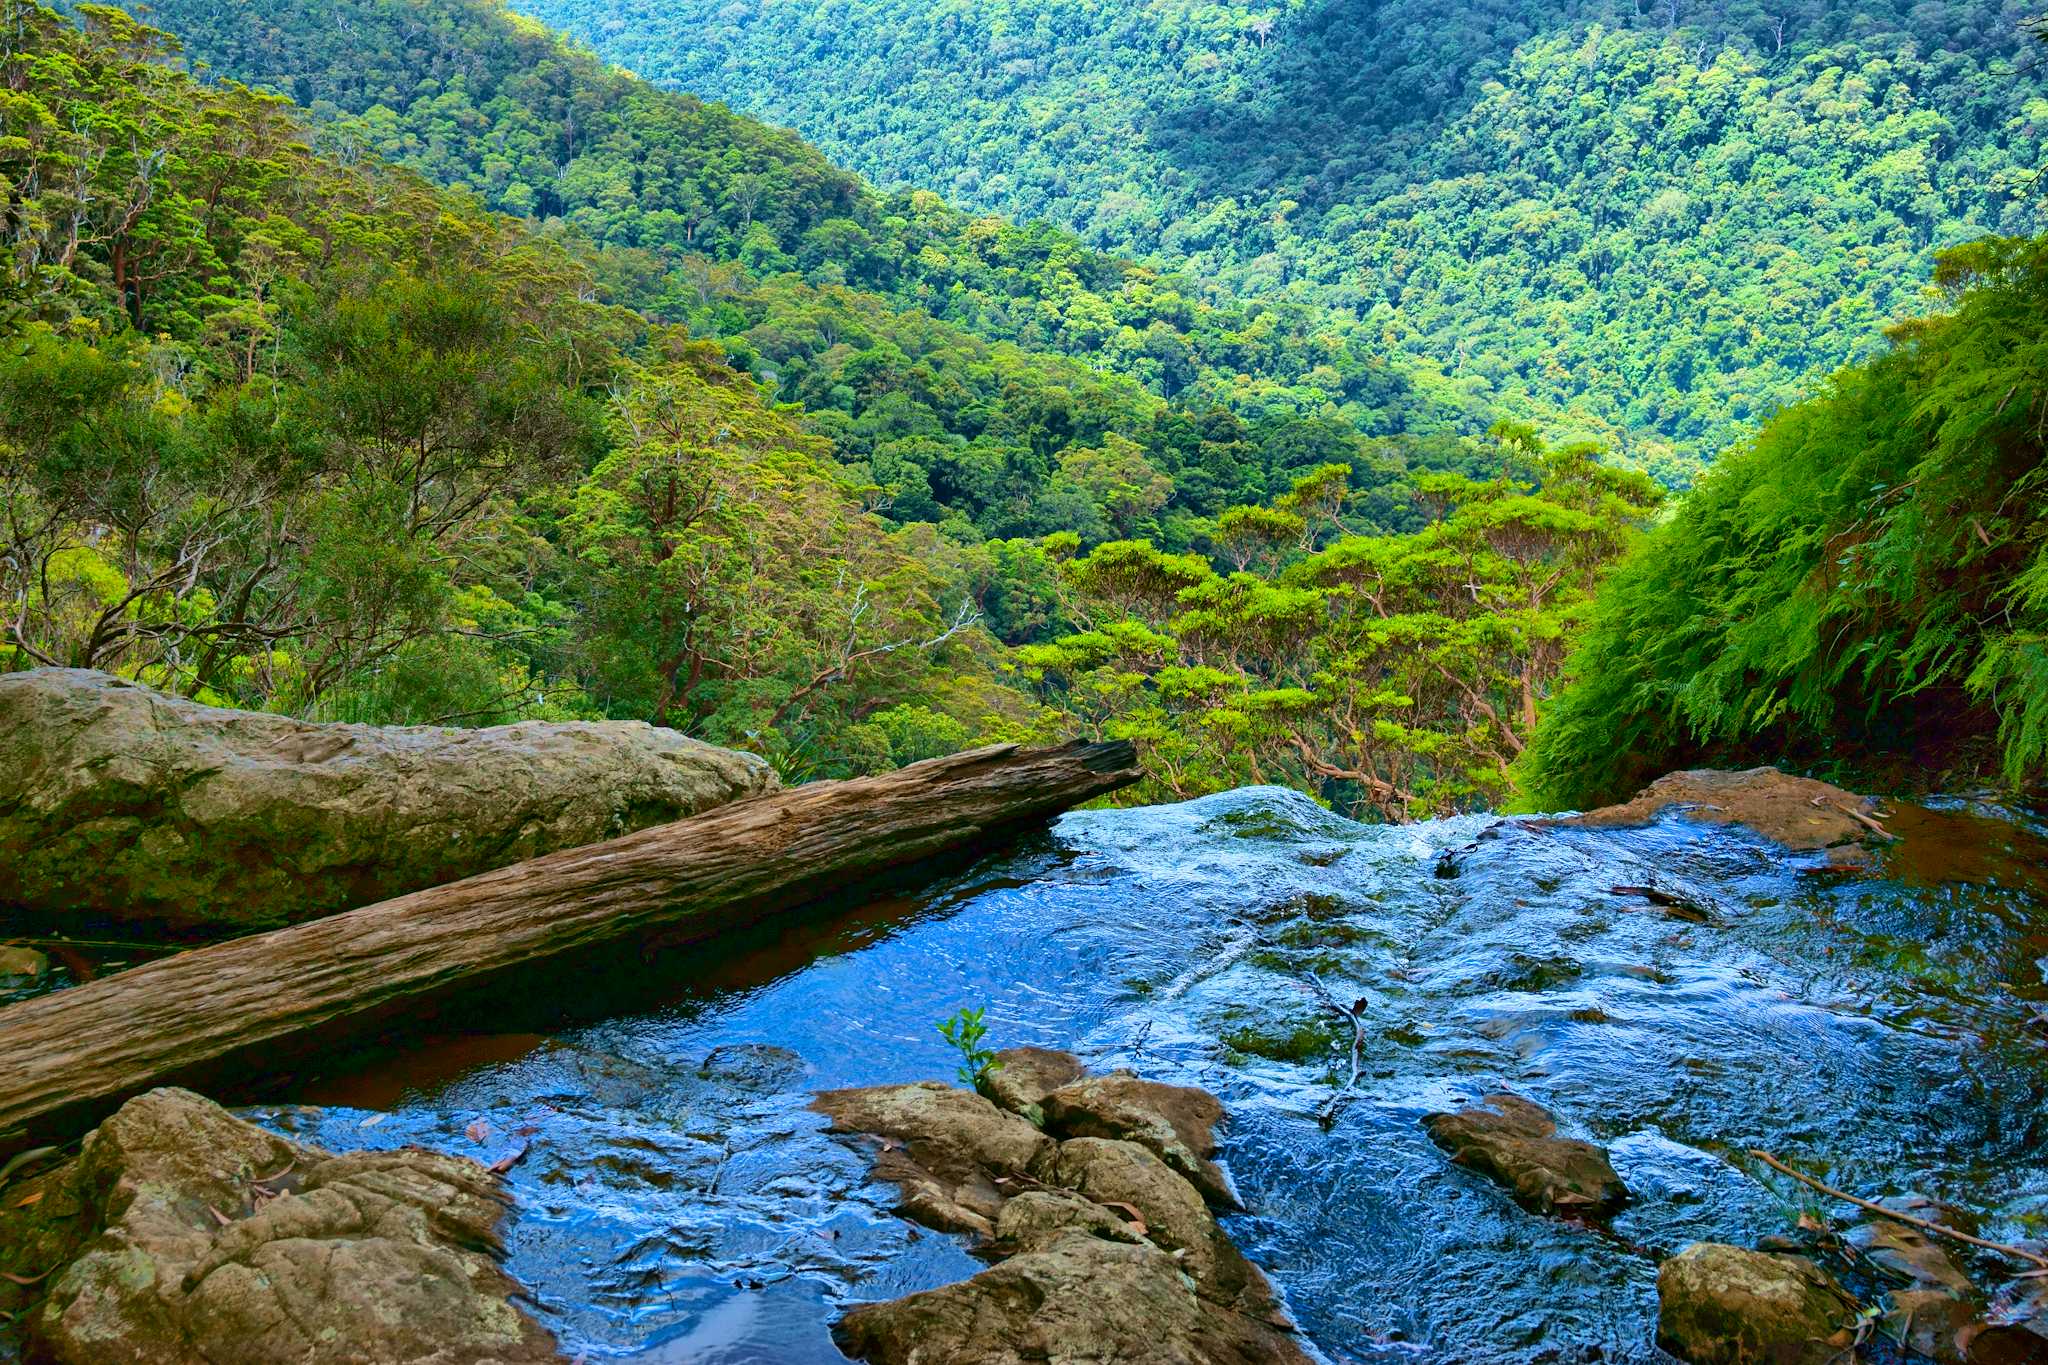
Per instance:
x=1907, y=1254
x=1515, y=1143
x=182, y=1233
x=1723, y=1305
x=122, y=802
x=1798, y=812
x=1106, y=1251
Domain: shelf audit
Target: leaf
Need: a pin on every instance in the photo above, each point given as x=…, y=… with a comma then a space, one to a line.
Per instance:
x=479, y=1132
x=1136, y=1219
x=13, y=1278
x=373, y=1120
x=28, y=1199
x=510, y=1159
x=218, y=1216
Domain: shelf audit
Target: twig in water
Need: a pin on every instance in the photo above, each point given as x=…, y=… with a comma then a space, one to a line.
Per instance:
x=1938, y=1229
x=1863, y=819
x=1328, y=1113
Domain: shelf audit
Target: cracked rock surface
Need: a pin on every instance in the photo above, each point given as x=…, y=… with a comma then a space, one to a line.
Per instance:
x=1093, y=1195
x=181, y=1234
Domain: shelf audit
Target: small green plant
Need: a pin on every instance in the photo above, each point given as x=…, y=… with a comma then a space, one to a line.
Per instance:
x=965, y=1031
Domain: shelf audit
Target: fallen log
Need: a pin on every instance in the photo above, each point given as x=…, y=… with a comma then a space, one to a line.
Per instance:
x=240, y=1006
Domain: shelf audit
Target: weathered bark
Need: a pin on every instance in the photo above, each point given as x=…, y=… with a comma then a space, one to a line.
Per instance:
x=244, y=1005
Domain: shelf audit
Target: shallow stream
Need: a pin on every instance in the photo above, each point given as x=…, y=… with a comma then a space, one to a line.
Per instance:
x=679, y=1202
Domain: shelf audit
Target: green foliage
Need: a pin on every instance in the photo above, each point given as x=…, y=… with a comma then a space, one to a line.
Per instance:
x=1869, y=578
x=1652, y=226
x=1396, y=675
x=971, y=369
x=965, y=1031
x=294, y=431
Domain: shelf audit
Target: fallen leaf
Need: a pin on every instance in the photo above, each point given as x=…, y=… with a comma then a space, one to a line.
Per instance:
x=13, y=1278
x=218, y=1216
x=373, y=1120
x=28, y=1199
x=479, y=1132
x=1136, y=1220
x=509, y=1160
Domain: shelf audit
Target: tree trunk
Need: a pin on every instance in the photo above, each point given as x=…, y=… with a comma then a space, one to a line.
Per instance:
x=247, y=1006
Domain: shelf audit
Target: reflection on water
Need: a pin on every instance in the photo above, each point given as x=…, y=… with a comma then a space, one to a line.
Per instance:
x=679, y=1202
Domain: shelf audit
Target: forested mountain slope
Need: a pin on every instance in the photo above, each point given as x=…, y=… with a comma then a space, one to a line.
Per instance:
x=284, y=426
x=1660, y=221
x=955, y=356
x=286, y=431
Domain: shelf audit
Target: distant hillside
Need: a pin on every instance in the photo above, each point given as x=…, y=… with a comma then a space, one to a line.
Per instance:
x=1663, y=221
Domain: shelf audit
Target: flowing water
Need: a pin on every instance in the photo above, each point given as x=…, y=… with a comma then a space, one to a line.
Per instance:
x=679, y=1202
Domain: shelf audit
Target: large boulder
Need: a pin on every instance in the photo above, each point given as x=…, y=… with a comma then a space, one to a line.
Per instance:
x=1515, y=1143
x=182, y=1233
x=121, y=802
x=1723, y=1305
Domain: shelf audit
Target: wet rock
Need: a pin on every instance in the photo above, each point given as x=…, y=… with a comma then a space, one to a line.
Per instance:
x=1082, y=1300
x=182, y=1233
x=1723, y=1305
x=17, y=961
x=1514, y=1142
x=944, y=1149
x=1024, y=1076
x=1035, y=1219
x=1112, y=1172
x=1798, y=812
x=121, y=801
x=1175, y=1122
x=1105, y=1252
x=758, y=1067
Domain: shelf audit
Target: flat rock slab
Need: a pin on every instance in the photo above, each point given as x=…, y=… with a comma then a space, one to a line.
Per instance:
x=181, y=1233
x=1515, y=1143
x=1798, y=812
x=1724, y=1305
x=120, y=802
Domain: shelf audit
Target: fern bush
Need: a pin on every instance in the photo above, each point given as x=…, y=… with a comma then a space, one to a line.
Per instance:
x=1867, y=579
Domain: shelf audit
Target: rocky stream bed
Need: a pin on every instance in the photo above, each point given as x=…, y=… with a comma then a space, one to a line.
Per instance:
x=1672, y=995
